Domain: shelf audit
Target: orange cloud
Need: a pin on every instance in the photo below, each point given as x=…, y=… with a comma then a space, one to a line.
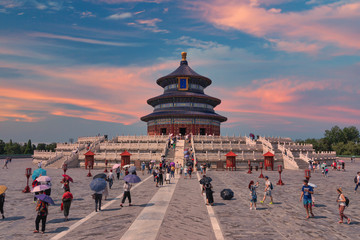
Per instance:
x=334, y=23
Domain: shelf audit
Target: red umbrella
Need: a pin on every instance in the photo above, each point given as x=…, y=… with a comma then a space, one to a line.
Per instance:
x=68, y=177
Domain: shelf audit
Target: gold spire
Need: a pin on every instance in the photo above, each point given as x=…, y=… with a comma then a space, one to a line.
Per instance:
x=183, y=55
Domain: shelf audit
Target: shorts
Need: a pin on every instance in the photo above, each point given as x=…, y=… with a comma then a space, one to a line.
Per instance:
x=268, y=193
x=307, y=202
x=185, y=173
x=253, y=199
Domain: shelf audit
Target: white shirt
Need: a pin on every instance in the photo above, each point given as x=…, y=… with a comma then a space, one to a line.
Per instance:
x=127, y=187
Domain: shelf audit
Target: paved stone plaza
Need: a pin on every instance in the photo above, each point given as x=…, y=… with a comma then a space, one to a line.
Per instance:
x=178, y=210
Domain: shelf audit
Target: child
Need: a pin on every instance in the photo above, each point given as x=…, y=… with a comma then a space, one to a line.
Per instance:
x=167, y=178
x=253, y=195
x=306, y=192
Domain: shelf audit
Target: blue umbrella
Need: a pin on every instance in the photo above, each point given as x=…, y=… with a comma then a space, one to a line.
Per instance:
x=132, y=169
x=38, y=172
x=98, y=184
x=132, y=178
x=45, y=198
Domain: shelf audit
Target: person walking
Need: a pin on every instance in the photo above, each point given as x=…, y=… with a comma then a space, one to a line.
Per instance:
x=161, y=177
x=7, y=160
x=306, y=192
x=185, y=172
x=204, y=168
x=172, y=171
x=127, y=187
x=190, y=171
x=98, y=197
x=177, y=166
x=42, y=212
x=110, y=178
x=66, y=184
x=66, y=203
x=267, y=191
x=118, y=173
x=143, y=168
x=207, y=188
x=2, y=201
x=357, y=181
x=252, y=188
x=342, y=205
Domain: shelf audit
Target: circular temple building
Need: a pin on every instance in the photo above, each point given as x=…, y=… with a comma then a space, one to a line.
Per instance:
x=183, y=108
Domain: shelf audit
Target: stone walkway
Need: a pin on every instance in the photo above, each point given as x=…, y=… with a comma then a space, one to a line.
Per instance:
x=182, y=213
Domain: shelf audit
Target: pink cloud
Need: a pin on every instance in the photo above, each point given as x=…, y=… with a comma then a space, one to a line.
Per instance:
x=334, y=23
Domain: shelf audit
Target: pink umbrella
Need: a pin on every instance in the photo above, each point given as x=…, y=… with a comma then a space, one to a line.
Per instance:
x=341, y=161
x=40, y=188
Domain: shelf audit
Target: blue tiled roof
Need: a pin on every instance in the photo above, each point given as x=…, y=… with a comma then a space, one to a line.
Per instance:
x=182, y=113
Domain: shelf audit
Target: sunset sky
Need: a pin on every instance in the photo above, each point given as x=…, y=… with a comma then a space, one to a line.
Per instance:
x=83, y=67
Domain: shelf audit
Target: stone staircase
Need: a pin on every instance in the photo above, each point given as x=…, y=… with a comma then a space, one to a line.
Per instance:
x=179, y=152
x=170, y=155
x=301, y=163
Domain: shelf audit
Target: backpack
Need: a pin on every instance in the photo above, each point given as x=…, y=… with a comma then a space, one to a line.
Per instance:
x=347, y=201
x=271, y=186
x=355, y=179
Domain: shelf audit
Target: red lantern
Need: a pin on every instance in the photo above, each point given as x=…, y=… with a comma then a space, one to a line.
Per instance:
x=307, y=174
x=280, y=182
x=106, y=163
x=261, y=168
x=27, y=174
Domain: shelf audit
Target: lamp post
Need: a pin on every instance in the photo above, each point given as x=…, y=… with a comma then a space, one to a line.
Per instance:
x=280, y=182
x=64, y=167
x=261, y=168
x=307, y=174
x=249, y=163
x=27, y=174
x=106, y=163
x=89, y=174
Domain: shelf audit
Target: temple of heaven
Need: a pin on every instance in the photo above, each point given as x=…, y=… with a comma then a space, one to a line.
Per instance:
x=183, y=108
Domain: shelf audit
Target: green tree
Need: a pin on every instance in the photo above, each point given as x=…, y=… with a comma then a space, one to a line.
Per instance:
x=2, y=147
x=28, y=149
x=51, y=147
x=351, y=134
x=335, y=135
x=41, y=146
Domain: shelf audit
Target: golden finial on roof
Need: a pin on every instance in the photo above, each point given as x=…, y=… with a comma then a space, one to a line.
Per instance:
x=183, y=55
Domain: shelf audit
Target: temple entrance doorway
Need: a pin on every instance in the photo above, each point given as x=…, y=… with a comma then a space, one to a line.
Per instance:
x=163, y=131
x=182, y=131
x=202, y=131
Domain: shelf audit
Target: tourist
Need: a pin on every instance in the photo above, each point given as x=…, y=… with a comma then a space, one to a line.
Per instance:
x=161, y=177
x=143, y=168
x=172, y=171
x=306, y=193
x=98, y=197
x=42, y=212
x=2, y=201
x=39, y=164
x=167, y=178
x=343, y=166
x=253, y=194
x=267, y=191
x=190, y=172
x=127, y=187
x=110, y=178
x=207, y=188
x=177, y=166
x=201, y=169
x=106, y=192
x=155, y=174
x=66, y=184
x=118, y=170
x=66, y=203
x=181, y=169
x=326, y=170
x=7, y=160
x=357, y=181
x=48, y=191
x=204, y=168
x=127, y=171
x=342, y=205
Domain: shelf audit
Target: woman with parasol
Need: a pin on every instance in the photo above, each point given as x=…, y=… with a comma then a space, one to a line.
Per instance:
x=66, y=203
x=207, y=188
x=42, y=211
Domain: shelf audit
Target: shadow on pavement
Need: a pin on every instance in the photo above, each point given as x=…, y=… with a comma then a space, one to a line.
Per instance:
x=78, y=199
x=261, y=208
x=12, y=218
x=355, y=223
x=219, y=204
x=59, y=229
x=318, y=217
x=320, y=205
x=60, y=220
x=112, y=209
x=144, y=205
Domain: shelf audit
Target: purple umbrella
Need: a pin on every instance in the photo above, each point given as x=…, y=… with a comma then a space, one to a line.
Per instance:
x=40, y=188
x=45, y=198
x=172, y=164
x=132, y=178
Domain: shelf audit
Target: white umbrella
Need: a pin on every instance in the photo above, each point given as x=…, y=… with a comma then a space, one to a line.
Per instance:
x=116, y=166
x=40, y=188
x=43, y=179
x=126, y=166
x=312, y=185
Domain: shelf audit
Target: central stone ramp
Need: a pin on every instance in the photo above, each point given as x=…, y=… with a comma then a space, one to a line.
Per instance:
x=186, y=216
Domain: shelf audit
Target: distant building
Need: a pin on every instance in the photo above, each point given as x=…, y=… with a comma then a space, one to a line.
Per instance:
x=183, y=108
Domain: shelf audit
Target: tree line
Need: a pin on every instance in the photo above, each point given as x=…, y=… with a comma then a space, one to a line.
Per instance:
x=11, y=147
x=344, y=141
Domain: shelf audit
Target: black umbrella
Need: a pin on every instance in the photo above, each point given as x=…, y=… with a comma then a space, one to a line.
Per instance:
x=227, y=194
x=189, y=163
x=100, y=175
x=205, y=180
